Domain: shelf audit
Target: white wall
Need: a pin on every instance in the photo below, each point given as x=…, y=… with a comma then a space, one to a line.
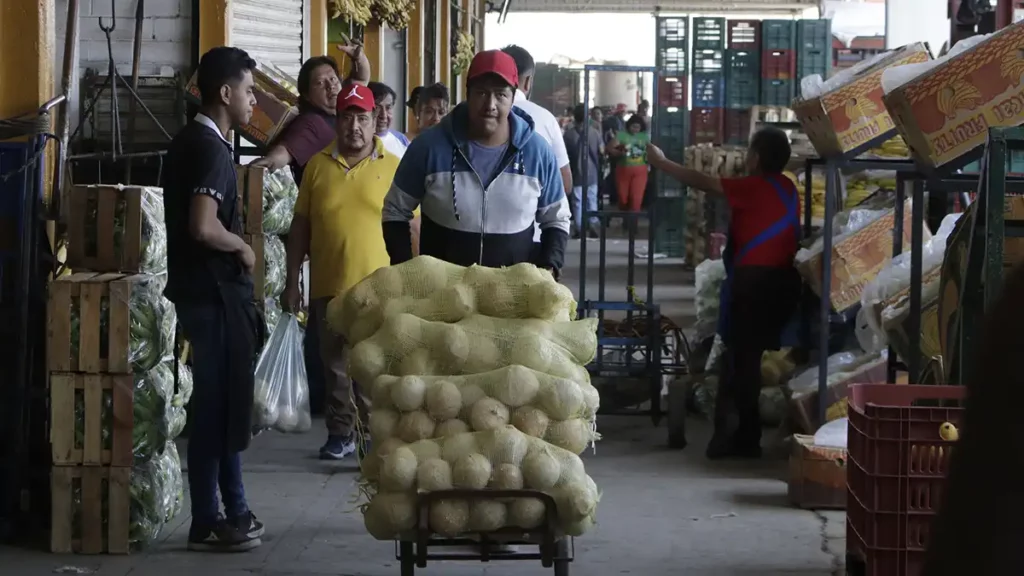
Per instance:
x=166, y=38
x=910, y=21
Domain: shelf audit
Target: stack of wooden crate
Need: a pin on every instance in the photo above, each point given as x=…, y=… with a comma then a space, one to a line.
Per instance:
x=91, y=381
x=250, y=202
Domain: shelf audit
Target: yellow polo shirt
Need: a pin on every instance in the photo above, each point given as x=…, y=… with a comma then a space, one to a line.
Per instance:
x=343, y=205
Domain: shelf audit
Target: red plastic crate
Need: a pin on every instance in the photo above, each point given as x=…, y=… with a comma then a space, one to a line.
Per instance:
x=744, y=35
x=896, y=471
x=778, y=64
x=672, y=92
x=707, y=126
x=737, y=127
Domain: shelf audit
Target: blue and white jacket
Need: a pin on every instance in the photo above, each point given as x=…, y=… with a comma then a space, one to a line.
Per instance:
x=464, y=223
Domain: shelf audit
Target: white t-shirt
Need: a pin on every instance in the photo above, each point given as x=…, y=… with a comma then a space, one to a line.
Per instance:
x=393, y=144
x=545, y=124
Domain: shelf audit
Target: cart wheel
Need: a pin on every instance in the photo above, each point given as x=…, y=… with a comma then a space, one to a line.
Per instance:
x=408, y=558
x=561, y=562
x=677, y=393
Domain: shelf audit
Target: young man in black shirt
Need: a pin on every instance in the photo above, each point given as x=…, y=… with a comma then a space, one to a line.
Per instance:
x=210, y=282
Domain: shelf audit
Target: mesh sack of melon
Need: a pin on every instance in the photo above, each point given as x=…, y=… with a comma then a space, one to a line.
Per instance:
x=477, y=381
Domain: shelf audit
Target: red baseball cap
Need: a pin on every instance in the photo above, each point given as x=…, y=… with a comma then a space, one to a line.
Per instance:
x=355, y=96
x=494, y=62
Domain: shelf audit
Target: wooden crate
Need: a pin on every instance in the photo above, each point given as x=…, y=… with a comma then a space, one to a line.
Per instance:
x=91, y=242
x=87, y=291
x=250, y=198
x=817, y=475
x=119, y=422
x=103, y=522
x=256, y=241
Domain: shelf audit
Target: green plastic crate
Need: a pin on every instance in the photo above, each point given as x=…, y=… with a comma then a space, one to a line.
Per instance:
x=670, y=226
x=814, y=48
x=778, y=35
x=709, y=33
x=777, y=92
x=673, y=32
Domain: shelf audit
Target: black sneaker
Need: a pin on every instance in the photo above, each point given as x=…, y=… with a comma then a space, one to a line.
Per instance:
x=224, y=537
x=249, y=524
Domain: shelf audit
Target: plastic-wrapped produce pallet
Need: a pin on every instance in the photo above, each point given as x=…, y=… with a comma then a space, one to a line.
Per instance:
x=480, y=402
x=116, y=403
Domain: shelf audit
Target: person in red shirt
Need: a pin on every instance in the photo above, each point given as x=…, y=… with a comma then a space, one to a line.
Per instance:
x=762, y=287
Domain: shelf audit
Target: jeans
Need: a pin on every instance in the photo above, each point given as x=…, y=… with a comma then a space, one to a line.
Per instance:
x=210, y=465
x=577, y=195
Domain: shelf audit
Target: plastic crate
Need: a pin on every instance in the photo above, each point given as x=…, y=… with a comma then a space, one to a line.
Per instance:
x=708, y=90
x=896, y=470
x=775, y=92
x=708, y=60
x=742, y=93
x=737, y=127
x=670, y=226
x=672, y=32
x=707, y=125
x=778, y=35
x=672, y=92
x=814, y=35
x=778, y=64
x=708, y=33
x=742, y=64
x=670, y=123
x=813, y=62
x=672, y=61
x=744, y=35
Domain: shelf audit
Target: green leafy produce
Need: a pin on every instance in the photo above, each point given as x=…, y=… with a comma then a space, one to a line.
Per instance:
x=159, y=414
x=279, y=195
x=275, y=273
x=153, y=243
x=157, y=492
x=271, y=313
x=152, y=321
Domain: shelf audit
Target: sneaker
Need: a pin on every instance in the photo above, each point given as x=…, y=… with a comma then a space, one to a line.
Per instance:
x=223, y=536
x=593, y=231
x=250, y=524
x=337, y=447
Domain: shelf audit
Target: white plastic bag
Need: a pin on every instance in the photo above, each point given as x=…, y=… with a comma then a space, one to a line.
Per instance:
x=833, y=434
x=281, y=397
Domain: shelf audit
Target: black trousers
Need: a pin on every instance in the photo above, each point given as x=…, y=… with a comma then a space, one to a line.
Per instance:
x=763, y=299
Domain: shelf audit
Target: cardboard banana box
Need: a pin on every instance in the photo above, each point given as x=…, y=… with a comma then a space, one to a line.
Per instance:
x=853, y=114
x=857, y=259
x=946, y=112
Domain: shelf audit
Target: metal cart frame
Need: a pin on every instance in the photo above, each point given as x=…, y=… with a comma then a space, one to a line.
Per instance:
x=556, y=551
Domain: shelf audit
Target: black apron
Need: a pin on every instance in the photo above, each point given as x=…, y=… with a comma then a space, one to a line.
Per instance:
x=244, y=332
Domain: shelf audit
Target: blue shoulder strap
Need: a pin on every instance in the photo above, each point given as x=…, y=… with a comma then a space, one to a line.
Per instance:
x=792, y=218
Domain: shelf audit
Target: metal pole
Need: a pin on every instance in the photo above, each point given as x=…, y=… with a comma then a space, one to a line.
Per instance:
x=832, y=176
x=916, y=263
x=69, y=86
x=582, y=209
x=140, y=10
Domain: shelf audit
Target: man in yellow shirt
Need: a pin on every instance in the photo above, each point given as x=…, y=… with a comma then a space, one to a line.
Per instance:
x=338, y=224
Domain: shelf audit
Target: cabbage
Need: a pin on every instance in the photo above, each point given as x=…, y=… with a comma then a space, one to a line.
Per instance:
x=274, y=266
x=279, y=195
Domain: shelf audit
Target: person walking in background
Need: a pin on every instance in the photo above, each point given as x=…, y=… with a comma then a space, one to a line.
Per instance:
x=483, y=178
x=313, y=129
x=596, y=116
x=337, y=223
x=615, y=122
x=544, y=122
x=583, y=144
x=209, y=280
x=394, y=141
x=630, y=148
x=429, y=105
x=761, y=288
x=643, y=110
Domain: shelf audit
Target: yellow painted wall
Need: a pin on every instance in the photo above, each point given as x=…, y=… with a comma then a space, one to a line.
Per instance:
x=214, y=24
x=317, y=27
x=444, y=62
x=28, y=49
x=414, y=54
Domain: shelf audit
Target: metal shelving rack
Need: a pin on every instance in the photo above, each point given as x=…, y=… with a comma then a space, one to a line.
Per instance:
x=639, y=307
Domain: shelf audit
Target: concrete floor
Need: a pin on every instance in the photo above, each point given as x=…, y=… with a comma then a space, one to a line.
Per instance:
x=662, y=513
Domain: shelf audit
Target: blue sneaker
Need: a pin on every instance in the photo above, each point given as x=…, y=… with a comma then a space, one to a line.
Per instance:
x=337, y=447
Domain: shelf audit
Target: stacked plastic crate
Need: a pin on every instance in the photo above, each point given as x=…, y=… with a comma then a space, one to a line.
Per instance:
x=742, y=77
x=814, y=48
x=670, y=130
x=707, y=118
x=778, y=62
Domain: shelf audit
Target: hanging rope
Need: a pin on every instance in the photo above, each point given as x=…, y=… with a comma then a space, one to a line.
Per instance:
x=20, y=126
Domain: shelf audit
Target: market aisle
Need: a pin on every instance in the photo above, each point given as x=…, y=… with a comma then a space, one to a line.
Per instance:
x=662, y=513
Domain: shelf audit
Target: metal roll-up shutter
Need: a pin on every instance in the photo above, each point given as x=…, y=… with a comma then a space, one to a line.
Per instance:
x=270, y=31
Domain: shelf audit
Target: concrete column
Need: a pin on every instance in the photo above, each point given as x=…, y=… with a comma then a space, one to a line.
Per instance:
x=317, y=27
x=444, y=55
x=214, y=25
